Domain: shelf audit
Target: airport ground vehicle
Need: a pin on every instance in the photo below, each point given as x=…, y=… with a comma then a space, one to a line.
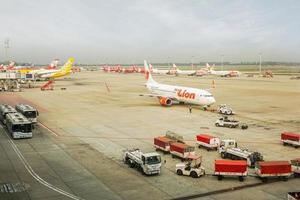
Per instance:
x=181, y=150
x=228, y=149
x=28, y=111
x=163, y=142
x=192, y=167
x=207, y=141
x=296, y=167
x=18, y=125
x=225, y=110
x=289, y=138
x=268, y=169
x=147, y=163
x=231, y=168
x=4, y=110
x=227, y=122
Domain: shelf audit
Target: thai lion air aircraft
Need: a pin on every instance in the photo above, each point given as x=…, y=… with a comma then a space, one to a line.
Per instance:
x=169, y=94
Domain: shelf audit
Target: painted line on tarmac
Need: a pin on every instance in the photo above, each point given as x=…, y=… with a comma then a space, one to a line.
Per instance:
x=46, y=127
x=36, y=176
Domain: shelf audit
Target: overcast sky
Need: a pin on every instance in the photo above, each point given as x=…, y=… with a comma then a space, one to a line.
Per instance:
x=129, y=31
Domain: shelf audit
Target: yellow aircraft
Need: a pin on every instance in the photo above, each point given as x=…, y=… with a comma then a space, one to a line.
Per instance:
x=65, y=70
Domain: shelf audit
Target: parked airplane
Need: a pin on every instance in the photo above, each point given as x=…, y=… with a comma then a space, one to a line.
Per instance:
x=183, y=72
x=52, y=66
x=169, y=94
x=65, y=70
x=222, y=73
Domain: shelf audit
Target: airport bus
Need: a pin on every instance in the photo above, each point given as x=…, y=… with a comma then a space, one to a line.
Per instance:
x=4, y=110
x=18, y=126
x=28, y=111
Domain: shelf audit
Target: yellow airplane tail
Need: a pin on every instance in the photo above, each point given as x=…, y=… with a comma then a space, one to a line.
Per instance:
x=68, y=66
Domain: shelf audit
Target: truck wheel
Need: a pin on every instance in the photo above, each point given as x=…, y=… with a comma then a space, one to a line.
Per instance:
x=264, y=179
x=220, y=178
x=179, y=172
x=217, y=124
x=241, y=178
x=131, y=164
x=194, y=174
x=223, y=155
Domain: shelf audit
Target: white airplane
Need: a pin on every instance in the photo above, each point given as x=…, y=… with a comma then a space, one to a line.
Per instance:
x=222, y=73
x=159, y=71
x=169, y=94
x=183, y=72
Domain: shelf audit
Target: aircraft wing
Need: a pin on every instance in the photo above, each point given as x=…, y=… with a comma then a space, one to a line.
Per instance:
x=158, y=96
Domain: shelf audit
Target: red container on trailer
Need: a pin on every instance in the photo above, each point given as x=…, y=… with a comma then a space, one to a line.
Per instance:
x=290, y=136
x=162, y=141
x=231, y=166
x=275, y=167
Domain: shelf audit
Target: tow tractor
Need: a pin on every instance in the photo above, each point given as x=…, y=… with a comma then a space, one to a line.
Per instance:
x=228, y=149
x=147, y=163
x=192, y=167
x=225, y=110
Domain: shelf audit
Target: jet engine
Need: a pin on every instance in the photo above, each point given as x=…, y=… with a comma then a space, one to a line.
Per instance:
x=164, y=101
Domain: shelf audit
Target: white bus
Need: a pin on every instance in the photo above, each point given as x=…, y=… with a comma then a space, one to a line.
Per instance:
x=18, y=126
x=28, y=111
x=4, y=110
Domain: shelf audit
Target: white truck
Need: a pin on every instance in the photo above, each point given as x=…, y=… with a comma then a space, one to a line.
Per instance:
x=228, y=149
x=225, y=110
x=147, y=163
x=227, y=122
x=192, y=167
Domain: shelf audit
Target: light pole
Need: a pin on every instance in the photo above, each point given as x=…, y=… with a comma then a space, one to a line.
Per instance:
x=222, y=60
x=259, y=63
x=6, y=47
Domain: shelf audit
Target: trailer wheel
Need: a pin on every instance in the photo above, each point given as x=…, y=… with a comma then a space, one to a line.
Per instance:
x=284, y=144
x=220, y=177
x=173, y=156
x=223, y=155
x=296, y=147
x=241, y=178
x=179, y=172
x=284, y=178
x=194, y=174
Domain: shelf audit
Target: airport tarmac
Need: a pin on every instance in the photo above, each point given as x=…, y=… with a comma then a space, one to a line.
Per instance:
x=77, y=146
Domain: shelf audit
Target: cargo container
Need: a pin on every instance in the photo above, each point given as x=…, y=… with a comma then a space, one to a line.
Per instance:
x=296, y=167
x=207, y=141
x=231, y=168
x=163, y=143
x=181, y=150
x=267, y=169
x=291, y=139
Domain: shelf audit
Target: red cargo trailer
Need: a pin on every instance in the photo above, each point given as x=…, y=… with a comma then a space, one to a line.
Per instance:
x=163, y=143
x=231, y=168
x=181, y=150
x=291, y=139
x=280, y=169
x=207, y=141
